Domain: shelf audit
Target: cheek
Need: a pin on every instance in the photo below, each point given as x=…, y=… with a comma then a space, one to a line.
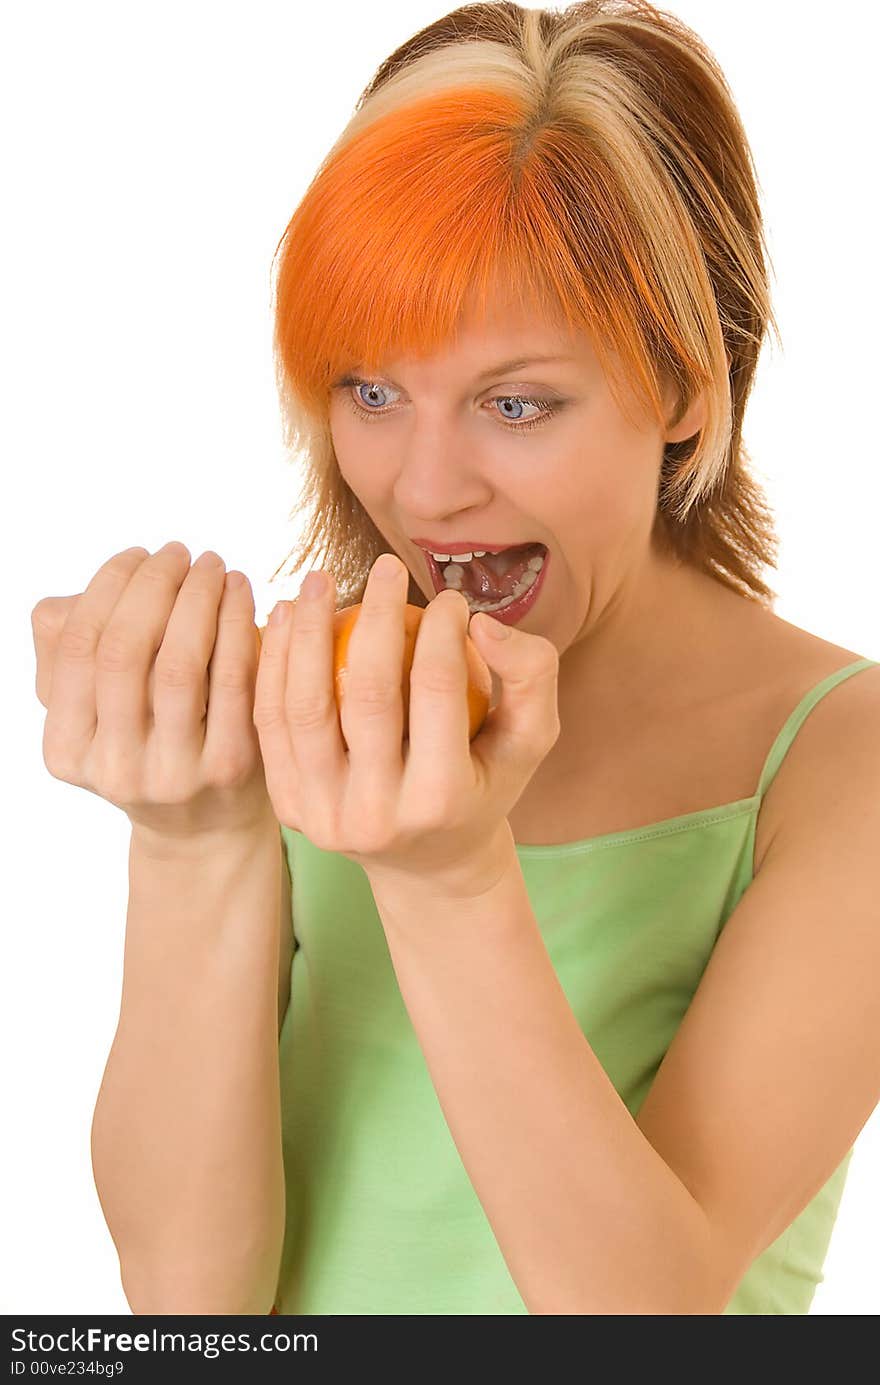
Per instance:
x=589, y=503
x=614, y=504
x=352, y=453
x=361, y=449
x=606, y=490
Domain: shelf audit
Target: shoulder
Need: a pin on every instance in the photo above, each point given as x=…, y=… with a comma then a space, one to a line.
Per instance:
x=834, y=758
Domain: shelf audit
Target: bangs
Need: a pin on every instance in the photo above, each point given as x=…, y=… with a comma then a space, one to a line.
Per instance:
x=410, y=225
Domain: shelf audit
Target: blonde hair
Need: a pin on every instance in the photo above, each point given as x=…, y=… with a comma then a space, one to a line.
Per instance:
x=594, y=153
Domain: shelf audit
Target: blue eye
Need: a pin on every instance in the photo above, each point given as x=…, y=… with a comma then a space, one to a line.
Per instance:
x=549, y=407
x=363, y=384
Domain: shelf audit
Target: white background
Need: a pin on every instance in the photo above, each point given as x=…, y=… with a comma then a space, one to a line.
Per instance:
x=153, y=156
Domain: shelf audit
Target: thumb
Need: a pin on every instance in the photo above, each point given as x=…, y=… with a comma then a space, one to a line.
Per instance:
x=525, y=723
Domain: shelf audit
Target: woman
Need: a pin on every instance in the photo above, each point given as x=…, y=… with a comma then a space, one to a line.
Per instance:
x=563, y=1028
x=670, y=1130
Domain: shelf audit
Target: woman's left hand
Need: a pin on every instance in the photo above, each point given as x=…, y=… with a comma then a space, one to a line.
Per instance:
x=438, y=807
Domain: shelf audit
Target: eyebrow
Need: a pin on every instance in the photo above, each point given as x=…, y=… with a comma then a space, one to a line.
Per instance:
x=503, y=367
x=517, y=364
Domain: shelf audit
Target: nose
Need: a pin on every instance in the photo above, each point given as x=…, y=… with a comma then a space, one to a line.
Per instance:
x=438, y=477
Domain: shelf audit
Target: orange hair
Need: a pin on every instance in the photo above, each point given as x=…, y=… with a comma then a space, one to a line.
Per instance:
x=592, y=156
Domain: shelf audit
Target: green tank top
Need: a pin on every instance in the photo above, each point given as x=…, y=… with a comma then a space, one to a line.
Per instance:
x=381, y=1215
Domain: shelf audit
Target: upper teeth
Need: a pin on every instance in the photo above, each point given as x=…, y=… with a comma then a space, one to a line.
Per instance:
x=459, y=557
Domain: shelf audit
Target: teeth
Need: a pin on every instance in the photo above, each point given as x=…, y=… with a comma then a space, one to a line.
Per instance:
x=461, y=557
x=454, y=575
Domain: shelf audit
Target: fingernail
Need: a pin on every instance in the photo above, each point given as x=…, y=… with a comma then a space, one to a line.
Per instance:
x=386, y=566
x=313, y=585
x=279, y=613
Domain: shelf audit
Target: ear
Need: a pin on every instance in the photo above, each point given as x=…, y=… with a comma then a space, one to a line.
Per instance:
x=690, y=423
x=694, y=419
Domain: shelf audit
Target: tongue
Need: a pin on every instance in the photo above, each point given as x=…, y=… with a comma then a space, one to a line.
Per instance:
x=481, y=580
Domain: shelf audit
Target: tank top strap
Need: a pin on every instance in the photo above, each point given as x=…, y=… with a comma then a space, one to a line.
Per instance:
x=798, y=716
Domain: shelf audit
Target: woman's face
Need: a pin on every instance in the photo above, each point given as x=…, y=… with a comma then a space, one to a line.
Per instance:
x=436, y=448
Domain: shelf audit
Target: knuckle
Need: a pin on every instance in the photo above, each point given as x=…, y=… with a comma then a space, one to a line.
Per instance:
x=79, y=640
x=231, y=769
x=268, y=715
x=446, y=803
x=367, y=842
x=284, y=804
x=114, y=772
x=157, y=575
x=373, y=619
x=177, y=671
x=115, y=785
x=155, y=781
x=373, y=690
x=40, y=615
x=429, y=806
x=435, y=675
x=307, y=711
x=320, y=829
x=232, y=677
x=115, y=649
x=320, y=839
x=368, y=833
x=59, y=761
x=435, y=812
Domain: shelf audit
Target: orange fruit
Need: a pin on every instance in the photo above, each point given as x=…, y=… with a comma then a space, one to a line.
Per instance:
x=479, y=679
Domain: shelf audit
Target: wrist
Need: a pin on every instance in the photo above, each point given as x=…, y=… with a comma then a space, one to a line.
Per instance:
x=206, y=845
x=466, y=881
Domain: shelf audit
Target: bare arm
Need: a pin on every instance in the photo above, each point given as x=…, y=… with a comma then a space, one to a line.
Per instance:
x=186, y=1136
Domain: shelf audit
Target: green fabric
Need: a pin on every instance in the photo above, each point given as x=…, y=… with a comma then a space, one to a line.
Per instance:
x=381, y=1215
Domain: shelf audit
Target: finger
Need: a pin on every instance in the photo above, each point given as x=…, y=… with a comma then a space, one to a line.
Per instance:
x=438, y=710
x=270, y=717
x=310, y=704
x=72, y=693
x=130, y=644
x=47, y=622
x=525, y=723
x=372, y=712
x=181, y=681
x=232, y=671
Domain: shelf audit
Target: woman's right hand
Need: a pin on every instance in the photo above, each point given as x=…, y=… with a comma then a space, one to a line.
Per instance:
x=173, y=744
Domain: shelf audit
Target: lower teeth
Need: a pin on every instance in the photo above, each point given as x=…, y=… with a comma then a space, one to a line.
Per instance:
x=528, y=579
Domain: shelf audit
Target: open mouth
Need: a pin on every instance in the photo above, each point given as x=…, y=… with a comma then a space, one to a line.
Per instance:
x=503, y=584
